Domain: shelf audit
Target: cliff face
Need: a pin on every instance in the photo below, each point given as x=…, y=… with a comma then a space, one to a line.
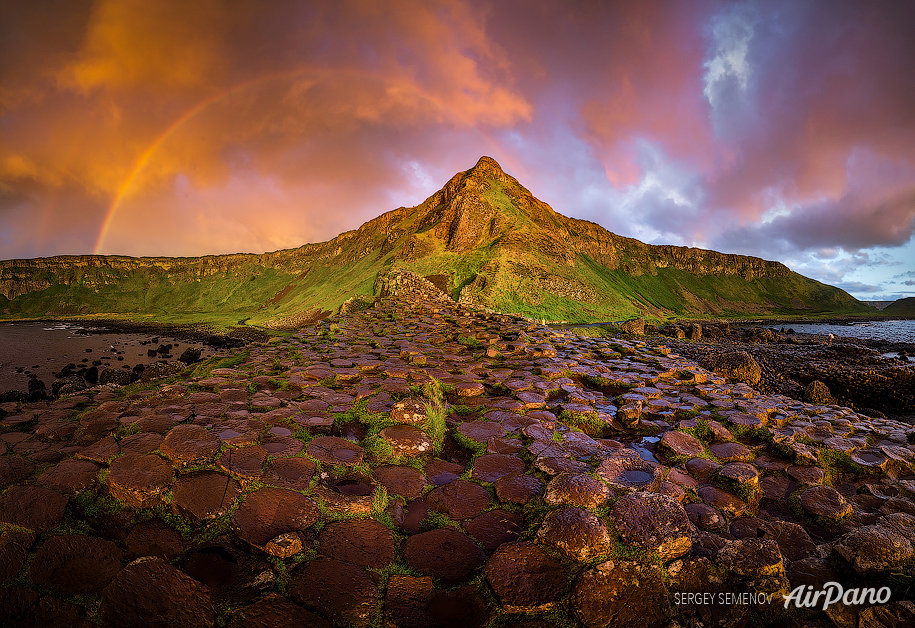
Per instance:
x=483, y=235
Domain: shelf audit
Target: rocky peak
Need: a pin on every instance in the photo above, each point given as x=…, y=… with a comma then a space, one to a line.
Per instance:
x=487, y=168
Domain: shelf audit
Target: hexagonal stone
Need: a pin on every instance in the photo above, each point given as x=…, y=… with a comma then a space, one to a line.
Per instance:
x=776, y=487
x=553, y=465
x=680, y=444
x=270, y=512
x=282, y=446
x=740, y=473
x=364, y=542
x=14, y=547
x=621, y=593
x=409, y=411
x=405, y=481
x=154, y=538
x=204, y=495
x=725, y=502
x=139, y=480
x=630, y=473
x=245, y=461
x=525, y=578
x=576, y=489
x=412, y=602
x=870, y=458
x=73, y=563
x=143, y=443
x=731, y=452
x=811, y=476
x=576, y=533
x=275, y=611
x=495, y=527
x=440, y=472
x=149, y=593
x=702, y=468
x=752, y=558
x=655, y=522
x=825, y=501
x=335, y=450
x=491, y=467
x=874, y=549
x=459, y=499
x=343, y=592
x=407, y=440
x=102, y=451
x=705, y=517
x=32, y=507
x=294, y=473
x=70, y=476
x=444, y=553
x=468, y=389
x=810, y=571
x=793, y=540
x=517, y=488
x=481, y=431
x=188, y=444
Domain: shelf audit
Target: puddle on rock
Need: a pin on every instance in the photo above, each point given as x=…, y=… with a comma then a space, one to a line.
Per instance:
x=274, y=448
x=641, y=447
x=443, y=478
x=343, y=454
x=637, y=477
x=354, y=487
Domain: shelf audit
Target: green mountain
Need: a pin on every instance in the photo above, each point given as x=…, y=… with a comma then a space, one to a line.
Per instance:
x=901, y=307
x=483, y=238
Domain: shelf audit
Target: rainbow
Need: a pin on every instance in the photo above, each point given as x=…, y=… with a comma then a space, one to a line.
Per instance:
x=146, y=156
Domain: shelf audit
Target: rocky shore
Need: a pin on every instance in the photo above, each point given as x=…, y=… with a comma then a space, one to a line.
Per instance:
x=872, y=376
x=111, y=367
x=421, y=463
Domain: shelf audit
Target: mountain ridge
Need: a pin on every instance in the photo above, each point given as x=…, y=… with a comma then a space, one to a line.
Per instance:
x=486, y=237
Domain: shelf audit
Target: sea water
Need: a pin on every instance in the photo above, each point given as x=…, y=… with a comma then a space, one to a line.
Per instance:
x=45, y=347
x=893, y=330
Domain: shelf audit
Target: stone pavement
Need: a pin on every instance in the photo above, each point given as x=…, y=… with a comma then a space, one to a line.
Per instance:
x=422, y=463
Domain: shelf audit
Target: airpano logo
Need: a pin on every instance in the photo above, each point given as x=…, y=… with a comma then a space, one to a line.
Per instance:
x=832, y=593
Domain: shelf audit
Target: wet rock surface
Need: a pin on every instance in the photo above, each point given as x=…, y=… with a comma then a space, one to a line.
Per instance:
x=373, y=470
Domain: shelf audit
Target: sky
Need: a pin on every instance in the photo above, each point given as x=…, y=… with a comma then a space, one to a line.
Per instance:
x=783, y=129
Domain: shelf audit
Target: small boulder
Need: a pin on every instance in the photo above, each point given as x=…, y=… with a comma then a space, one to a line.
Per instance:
x=817, y=392
x=735, y=366
x=190, y=355
x=635, y=326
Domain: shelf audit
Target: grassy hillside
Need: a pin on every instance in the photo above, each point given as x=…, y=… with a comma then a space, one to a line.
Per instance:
x=483, y=238
x=902, y=307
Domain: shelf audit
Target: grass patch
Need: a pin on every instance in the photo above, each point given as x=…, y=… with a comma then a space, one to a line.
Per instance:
x=435, y=520
x=588, y=422
x=469, y=444
x=701, y=432
x=436, y=412
x=469, y=341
